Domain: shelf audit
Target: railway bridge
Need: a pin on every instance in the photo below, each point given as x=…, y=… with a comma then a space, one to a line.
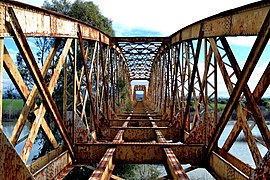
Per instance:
x=100, y=121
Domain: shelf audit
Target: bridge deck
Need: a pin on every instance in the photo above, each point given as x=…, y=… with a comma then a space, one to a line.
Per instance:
x=145, y=148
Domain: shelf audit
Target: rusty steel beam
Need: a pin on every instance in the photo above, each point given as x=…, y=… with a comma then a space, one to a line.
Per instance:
x=88, y=81
x=38, y=164
x=145, y=134
x=23, y=46
x=1, y=77
x=114, y=177
x=23, y=89
x=14, y=74
x=137, y=122
x=241, y=116
x=242, y=21
x=106, y=166
x=140, y=39
x=257, y=93
x=263, y=170
x=29, y=97
x=234, y=161
x=11, y=165
x=175, y=167
x=248, y=68
x=38, y=22
x=176, y=170
x=42, y=109
x=65, y=171
x=104, y=82
x=220, y=168
x=54, y=167
x=252, y=101
x=140, y=152
x=191, y=84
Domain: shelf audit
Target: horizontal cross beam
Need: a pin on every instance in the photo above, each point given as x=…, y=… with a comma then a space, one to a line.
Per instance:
x=147, y=153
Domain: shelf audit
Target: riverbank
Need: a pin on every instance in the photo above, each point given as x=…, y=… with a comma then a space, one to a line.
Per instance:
x=11, y=109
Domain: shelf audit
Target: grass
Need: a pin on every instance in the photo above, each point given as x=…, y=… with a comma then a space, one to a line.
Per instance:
x=12, y=107
x=221, y=107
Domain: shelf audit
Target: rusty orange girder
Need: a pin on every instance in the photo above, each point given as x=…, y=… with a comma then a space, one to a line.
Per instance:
x=99, y=119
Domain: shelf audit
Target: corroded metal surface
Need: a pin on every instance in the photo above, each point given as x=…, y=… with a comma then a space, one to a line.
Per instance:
x=234, y=161
x=11, y=165
x=105, y=167
x=243, y=21
x=176, y=170
x=44, y=160
x=81, y=133
x=54, y=167
x=139, y=152
x=180, y=103
x=223, y=169
x=40, y=22
x=263, y=170
x=140, y=134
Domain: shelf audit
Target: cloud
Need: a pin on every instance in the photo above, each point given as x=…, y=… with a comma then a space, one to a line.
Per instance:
x=121, y=31
x=31, y=42
x=161, y=16
x=242, y=41
x=246, y=41
x=166, y=17
x=37, y=3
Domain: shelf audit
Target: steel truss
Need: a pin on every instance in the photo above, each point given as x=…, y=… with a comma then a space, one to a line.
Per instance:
x=95, y=71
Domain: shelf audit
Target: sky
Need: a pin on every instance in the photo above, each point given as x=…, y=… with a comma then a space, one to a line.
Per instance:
x=163, y=18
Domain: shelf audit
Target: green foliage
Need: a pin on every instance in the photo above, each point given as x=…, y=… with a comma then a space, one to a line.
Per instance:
x=15, y=104
x=126, y=171
x=129, y=106
x=43, y=44
x=12, y=107
x=121, y=87
x=148, y=172
x=79, y=173
x=85, y=11
x=223, y=101
x=137, y=171
x=221, y=107
x=10, y=94
x=24, y=71
x=61, y=6
x=264, y=102
x=120, y=84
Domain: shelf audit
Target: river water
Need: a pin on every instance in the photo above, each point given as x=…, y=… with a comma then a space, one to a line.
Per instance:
x=237, y=149
x=8, y=128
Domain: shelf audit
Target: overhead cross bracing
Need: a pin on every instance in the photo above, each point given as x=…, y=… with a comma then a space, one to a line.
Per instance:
x=83, y=95
x=140, y=52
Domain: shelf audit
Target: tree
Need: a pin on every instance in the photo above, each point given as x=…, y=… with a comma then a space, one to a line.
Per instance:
x=85, y=11
x=24, y=71
x=61, y=6
x=10, y=93
x=43, y=44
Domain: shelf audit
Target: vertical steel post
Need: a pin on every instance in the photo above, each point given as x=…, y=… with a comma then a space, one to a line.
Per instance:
x=1, y=77
x=74, y=112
